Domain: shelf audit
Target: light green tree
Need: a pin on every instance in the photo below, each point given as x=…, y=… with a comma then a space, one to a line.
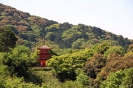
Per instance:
x=119, y=79
x=114, y=49
x=102, y=47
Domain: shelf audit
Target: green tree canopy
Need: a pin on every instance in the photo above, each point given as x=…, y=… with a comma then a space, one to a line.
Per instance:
x=65, y=65
x=114, y=49
x=7, y=39
x=16, y=60
x=102, y=47
x=119, y=79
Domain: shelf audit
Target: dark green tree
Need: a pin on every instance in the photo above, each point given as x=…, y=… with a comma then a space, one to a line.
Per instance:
x=7, y=39
x=17, y=61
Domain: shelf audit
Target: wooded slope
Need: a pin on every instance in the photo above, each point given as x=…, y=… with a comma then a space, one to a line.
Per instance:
x=30, y=29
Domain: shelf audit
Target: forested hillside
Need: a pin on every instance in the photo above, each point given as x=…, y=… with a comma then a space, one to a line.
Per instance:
x=29, y=29
x=81, y=57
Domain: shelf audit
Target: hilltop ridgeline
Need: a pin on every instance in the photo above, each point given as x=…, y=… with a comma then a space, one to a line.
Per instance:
x=30, y=29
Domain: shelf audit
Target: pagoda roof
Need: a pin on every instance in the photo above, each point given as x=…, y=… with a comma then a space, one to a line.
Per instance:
x=44, y=47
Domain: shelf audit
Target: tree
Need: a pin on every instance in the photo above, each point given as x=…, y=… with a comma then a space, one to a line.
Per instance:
x=114, y=80
x=7, y=39
x=77, y=44
x=128, y=80
x=114, y=49
x=65, y=65
x=94, y=65
x=16, y=60
x=119, y=79
x=82, y=78
x=102, y=47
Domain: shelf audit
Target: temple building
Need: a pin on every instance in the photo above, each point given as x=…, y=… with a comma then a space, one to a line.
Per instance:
x=43, y=55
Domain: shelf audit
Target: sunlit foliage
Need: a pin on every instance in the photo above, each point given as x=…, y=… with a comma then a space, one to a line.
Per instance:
x=119, y=79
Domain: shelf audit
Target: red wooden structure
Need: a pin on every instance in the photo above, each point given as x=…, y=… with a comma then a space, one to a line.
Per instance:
x=43, y=55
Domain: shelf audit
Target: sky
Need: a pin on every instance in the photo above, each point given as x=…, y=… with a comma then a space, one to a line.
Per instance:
x=114, y=16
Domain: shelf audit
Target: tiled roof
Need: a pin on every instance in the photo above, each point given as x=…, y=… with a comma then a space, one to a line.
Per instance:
x=44, y=47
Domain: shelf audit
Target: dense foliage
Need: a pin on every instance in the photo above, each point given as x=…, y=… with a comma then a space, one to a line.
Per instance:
x=65, y=65
x=29, y=29
x=17, y=61
x=81, y=68
x=83, y=56
x=7, y=39
x=119, y=79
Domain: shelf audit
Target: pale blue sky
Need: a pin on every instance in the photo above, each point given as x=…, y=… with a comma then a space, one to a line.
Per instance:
x=111, y=15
